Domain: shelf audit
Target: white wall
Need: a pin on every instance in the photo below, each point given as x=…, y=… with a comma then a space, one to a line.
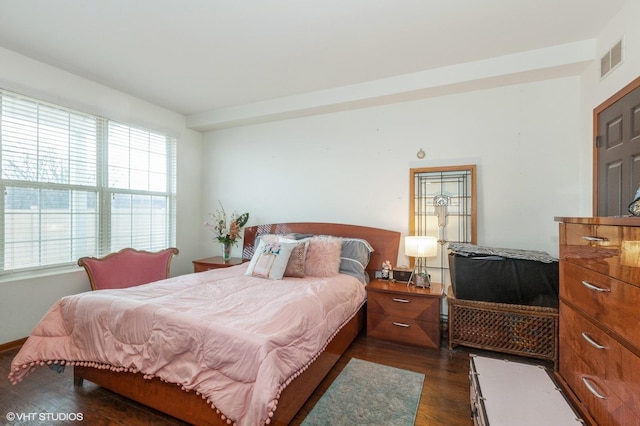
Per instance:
x=24, y=301
x=532, y=144
x=623, y=26
x=595, y=91
x=353, y=167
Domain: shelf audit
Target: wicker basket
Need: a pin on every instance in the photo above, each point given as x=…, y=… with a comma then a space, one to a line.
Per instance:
x=530, y=331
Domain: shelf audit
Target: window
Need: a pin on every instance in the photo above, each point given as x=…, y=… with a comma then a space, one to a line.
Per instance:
x=78, y=185
x=443, y=204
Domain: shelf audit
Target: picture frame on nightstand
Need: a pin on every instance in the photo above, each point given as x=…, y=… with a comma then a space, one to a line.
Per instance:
x=401, y=275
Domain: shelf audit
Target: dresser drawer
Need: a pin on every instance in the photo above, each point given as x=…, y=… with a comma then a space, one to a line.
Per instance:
x=612, y=302
x=405, y=306
x=424, y=334
x=598, y=368
x=605, y=411
x=609, y=250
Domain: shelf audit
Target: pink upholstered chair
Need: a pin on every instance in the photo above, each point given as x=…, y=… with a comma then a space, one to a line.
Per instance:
x=127, y=268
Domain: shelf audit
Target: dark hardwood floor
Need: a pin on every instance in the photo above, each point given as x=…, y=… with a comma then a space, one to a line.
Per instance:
x=444, y=400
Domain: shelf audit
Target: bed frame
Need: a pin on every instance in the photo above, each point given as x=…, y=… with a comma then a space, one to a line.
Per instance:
x=192, y=408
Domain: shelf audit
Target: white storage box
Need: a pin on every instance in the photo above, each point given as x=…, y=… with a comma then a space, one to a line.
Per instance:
x=507, y=393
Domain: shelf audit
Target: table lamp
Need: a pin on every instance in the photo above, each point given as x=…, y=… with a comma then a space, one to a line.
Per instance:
x=420, y=247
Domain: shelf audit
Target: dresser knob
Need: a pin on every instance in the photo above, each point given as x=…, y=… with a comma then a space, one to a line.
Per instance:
x=395, y=299
x=401, y=324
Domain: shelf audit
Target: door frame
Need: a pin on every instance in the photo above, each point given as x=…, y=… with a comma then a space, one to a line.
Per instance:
x=596, y=113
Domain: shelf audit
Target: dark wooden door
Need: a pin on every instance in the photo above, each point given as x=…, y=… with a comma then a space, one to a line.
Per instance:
x=617, y=156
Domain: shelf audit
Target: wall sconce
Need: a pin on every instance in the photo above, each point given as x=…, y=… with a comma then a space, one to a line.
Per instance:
x=420, y=247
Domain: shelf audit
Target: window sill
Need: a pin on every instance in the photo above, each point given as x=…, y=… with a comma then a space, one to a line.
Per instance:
x=40, y=273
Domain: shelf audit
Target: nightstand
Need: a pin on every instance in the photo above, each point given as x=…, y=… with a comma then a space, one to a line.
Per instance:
x=404, y=314
x=215, y=262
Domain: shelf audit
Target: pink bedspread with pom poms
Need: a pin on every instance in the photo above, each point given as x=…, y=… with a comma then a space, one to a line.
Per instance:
x=235, y=339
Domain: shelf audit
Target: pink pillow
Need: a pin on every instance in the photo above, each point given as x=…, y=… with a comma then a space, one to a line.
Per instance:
x=323, y=257
x=295, y=267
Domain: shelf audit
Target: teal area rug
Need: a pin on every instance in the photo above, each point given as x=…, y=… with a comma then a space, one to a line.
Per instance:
x=366, y=393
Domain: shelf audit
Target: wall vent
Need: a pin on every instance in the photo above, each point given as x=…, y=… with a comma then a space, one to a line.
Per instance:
x=611, y=59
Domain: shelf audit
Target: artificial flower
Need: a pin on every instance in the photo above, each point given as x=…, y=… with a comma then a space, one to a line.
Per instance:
x=227, y=234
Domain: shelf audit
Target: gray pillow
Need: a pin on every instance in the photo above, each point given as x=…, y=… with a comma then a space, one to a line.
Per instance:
x=354, y=258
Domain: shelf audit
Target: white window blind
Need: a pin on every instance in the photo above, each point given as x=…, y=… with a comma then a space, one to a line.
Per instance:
x=78, y=185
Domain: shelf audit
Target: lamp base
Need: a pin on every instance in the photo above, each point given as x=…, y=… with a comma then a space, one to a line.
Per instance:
x=419, y=280
x=422, y=278
x=423, y=281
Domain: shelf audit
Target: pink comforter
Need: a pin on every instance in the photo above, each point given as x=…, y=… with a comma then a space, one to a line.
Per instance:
x=235, y=339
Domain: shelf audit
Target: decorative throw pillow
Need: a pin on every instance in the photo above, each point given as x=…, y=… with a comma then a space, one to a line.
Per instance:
x=323, y=257
x=269, y=238
x=295, y=266
x=270, y=259
x=355, y=257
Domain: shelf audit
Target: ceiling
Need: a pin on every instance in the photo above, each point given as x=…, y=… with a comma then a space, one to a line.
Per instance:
x=199, y=56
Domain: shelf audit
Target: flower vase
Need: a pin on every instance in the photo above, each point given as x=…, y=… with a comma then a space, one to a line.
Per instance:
x=226, y=251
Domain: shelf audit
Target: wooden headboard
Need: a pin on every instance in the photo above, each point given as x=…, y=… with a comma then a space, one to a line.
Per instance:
x=385, y=243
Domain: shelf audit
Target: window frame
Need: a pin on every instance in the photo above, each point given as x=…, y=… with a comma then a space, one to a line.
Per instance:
x=102, y=231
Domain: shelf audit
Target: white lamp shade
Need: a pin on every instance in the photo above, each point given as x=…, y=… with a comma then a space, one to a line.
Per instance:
x=420, y=246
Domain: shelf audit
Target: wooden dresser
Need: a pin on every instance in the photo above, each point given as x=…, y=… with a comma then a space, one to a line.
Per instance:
x=600, y=317
x=404, y=314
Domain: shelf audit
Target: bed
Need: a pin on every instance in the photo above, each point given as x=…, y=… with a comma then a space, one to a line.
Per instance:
x=194, y=402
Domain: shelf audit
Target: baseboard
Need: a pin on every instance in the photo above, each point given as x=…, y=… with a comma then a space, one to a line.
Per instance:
x=12, y=345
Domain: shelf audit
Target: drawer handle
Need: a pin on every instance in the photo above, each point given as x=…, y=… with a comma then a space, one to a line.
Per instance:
x=592, y=342
x=594, y=239
x=592, y=388
x=595, y=287
x=401, y=324
x=395, y=299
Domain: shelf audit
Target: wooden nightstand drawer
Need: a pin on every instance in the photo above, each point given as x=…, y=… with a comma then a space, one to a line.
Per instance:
x=402, y=330
x=405, y=306
x=404, y=314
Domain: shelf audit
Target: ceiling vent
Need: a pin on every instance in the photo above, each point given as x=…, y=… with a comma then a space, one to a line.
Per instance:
x=611, y=59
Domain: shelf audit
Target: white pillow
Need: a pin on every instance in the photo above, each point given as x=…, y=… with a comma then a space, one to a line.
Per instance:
x=270, y=259
x=295, y=266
